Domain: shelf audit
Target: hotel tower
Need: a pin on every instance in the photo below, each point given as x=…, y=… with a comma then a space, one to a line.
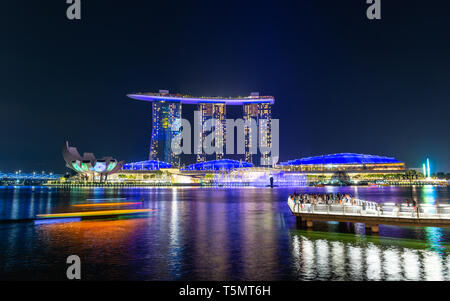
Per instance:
x=166, y=111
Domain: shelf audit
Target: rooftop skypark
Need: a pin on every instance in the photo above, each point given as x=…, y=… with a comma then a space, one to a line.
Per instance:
x=189, y=99
x=167, y=112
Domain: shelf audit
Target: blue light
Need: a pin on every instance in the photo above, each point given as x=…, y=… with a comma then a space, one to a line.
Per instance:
x=146, y=165
x=343, y=158
x=56, y=220
x=223, y=164
x=29, y=176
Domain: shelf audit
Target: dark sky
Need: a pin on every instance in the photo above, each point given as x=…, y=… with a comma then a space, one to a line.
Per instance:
x=342, y=83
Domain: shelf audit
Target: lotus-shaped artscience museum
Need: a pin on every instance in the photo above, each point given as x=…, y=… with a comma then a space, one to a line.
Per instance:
x=88, y=164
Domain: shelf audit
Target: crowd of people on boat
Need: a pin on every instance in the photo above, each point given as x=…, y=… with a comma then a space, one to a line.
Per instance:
x=324, y=198
x=303, y=201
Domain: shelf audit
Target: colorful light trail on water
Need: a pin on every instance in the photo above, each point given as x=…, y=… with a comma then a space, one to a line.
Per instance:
x=95, y=213
x=107, y=204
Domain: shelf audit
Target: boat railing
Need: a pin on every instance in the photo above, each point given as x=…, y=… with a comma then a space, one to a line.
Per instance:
x=368, y=208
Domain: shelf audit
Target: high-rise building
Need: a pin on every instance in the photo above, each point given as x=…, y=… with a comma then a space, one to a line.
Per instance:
x=166, y=118
x=167, y=112
x=265, y=131
x=216, y=112
x=251, y=138
x=260, y=113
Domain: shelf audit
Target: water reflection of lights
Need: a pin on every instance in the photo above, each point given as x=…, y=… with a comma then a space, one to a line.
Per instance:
x=94, y=237
x=308, y=267
x=107, y=204
x=336, y=260
x=355, y=260
x=56, y=221
x=296, y=252
x=174, y=218
x=202, y=233
x=322, y=251
x=433, y=266
x=373, y=262
x=411, y=264
x=32, y=201
x=391, y=264
x=15, y=205
x=252, y=239
x=94, y=213
x=106, y=199
x=433, y=235
x=434, y=239
x=175, y=248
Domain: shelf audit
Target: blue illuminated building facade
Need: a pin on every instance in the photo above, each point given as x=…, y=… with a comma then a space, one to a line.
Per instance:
x=146, y=165
x=166, y=117
x=223, y=164
x=27, y=178
x=344, y=162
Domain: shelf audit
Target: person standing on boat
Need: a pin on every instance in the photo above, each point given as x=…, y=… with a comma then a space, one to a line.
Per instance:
x=291, y=199
x=380, y=209
x=297, y=201
x=396, y=210
x=415, y=211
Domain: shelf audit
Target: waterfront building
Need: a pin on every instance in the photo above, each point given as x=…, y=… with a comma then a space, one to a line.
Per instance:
x=262, y=114
x=166, y=117
x=87, y=166
x=146, y=165
x=34, y=178
x=167, y=111
x=355, y=165
x=223, y=164
x=212, y=111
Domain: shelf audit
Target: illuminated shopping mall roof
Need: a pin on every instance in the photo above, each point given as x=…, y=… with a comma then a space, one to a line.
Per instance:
x=146, y=165
x=188, y=99
x=224, y=164
x=343, y=158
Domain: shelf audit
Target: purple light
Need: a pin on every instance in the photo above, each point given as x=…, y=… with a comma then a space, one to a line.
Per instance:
x=56, y=221
x=194, y=100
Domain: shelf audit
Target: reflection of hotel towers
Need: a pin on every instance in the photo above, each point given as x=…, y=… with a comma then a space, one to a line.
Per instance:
x=167, y=112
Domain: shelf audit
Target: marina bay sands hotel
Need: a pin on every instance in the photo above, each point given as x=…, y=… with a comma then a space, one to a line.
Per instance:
x=166, y=111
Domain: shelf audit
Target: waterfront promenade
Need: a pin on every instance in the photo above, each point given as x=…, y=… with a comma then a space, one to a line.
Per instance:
x=372, y=215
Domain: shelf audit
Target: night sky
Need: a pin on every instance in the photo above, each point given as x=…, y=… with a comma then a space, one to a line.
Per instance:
x=342, y=83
